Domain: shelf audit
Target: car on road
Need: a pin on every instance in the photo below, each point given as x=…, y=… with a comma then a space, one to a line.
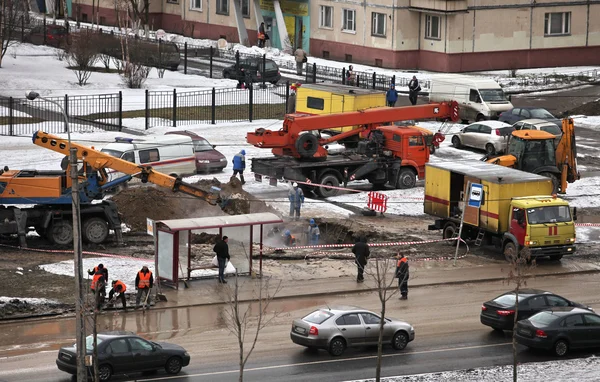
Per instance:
x=337, y=328
x=208, y=159
x=491, y=136
x=499, y=313
x=541, y=125
x=55, y=35
x=125, y=352
x=254, y=65
x=519, y=113
x=559, y=330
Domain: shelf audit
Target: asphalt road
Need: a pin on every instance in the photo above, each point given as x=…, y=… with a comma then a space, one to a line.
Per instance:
x=446, y=320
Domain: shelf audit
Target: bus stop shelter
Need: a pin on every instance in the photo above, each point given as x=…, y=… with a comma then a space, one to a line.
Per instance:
x=173, y=249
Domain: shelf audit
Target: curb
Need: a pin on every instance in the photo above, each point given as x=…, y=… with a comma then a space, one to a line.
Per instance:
x=35, y=318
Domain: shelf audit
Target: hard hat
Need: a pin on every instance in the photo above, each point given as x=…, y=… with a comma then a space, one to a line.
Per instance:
x=287, y=232
x=295, y=184
x=312, y=221
x=243, y=152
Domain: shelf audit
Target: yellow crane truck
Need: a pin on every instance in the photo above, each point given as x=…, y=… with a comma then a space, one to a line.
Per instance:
x=517, y=209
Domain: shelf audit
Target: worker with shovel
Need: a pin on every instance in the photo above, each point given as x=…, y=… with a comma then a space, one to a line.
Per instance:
x=143, y=283
x=118, y=290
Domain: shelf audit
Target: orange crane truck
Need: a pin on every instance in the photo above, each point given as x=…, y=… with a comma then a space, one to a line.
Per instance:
x=386, y=154
x=48, y=194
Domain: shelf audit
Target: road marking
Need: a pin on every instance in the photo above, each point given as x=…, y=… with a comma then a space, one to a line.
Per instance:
x=330, y=361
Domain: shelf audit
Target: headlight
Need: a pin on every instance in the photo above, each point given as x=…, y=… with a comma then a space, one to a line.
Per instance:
x=570, y=240
x=203, y=161
x=532, y=242
x=223, y=160
x=186, y=354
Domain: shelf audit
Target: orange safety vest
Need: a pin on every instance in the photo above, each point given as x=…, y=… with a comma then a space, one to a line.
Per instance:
x=123, y=286
x=97, y=277
x=144, y=279
x=402, y=260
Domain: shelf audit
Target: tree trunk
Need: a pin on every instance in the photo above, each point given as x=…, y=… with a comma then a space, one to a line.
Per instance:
x=241, y=378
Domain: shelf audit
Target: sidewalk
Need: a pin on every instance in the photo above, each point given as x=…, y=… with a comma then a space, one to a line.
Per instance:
x=206, y=292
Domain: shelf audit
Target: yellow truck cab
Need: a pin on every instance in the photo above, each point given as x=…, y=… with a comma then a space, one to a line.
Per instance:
x=517, y=208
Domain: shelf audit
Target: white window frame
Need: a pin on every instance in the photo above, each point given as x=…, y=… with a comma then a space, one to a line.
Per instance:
x=323, y=17
x=219, y=6
x=193, y=4
x=346, y=12
x=565, y=24
x=375, y=24
x=428, y=23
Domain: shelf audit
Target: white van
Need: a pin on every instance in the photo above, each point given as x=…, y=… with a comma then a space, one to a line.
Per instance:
x=169, y=154
x=478, y=98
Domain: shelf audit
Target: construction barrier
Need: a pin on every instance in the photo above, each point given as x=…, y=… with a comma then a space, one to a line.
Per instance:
x=377, y=202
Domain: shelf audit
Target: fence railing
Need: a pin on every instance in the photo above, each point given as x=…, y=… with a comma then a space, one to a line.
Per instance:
x=19, y=116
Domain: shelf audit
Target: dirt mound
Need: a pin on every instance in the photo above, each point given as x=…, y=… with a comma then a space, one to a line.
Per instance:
x=18, y=308
x=148, y=201
x=590, y=108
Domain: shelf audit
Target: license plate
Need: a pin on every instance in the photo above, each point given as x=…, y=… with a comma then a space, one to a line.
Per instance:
x=300, y=330
x=524, y=331
x=64, y=356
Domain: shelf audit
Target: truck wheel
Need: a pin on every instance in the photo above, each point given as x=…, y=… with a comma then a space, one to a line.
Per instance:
x=554, y=178
x=510, y=252
x=480, y=117
x=61, y=232
x=95, y=230
x=329, y=179
x=456, y=142
x=406, y=179
x=449, y=231
x=307, y=145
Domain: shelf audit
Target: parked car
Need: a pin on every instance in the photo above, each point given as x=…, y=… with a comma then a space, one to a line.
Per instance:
x=519, y=113
x=499, y=313
x=125, y=352
x=540, y=124
x=150, y=53
x=207, y=158
x=560, y=330
x=255, y=66
x=491, y=136
x=56, y=35
x=336, y=328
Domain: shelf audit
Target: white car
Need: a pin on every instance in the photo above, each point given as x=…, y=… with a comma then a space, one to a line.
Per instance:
x=491, y=136
x=540, y=124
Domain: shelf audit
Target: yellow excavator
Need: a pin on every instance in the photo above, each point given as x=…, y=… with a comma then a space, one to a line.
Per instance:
x=538, y=152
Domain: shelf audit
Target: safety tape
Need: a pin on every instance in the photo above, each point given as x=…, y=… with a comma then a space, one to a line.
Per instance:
x=587, y=224
x=444, y=258
x=66, y=251
x=389, y=244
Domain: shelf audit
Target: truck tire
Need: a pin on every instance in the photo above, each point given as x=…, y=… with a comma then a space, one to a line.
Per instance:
x=510, y=251
x=480, y=117
x=449, y=231
x=307, y=145
x=60, y=232
x=406, y=179
x=95, y=230
x=330, y=179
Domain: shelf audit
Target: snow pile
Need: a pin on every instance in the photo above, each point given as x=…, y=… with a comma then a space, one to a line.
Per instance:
x=28, y=300
x=591, y=122
x=575, y=370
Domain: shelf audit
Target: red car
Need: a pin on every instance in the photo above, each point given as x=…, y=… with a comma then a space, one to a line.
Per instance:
x=56, y=35
x=207, y=158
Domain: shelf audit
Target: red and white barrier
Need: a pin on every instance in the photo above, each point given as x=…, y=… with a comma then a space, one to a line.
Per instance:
x=377, y=202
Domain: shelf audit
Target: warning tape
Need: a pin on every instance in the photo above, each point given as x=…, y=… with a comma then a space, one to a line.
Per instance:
x=389, y=244
x=443, y=258
x=66, y=251
x=587, y=224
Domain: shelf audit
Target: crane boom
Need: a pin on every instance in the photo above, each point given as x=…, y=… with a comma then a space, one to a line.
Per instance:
x=99, y=161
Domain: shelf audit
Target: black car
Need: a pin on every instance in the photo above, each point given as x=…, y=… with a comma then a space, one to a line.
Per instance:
x=559, y=330
x=519, y=113
x=125, y=352
x=499, y=313
x=254, y=66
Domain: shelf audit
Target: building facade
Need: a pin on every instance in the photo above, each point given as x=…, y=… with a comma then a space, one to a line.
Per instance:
x=437, y=35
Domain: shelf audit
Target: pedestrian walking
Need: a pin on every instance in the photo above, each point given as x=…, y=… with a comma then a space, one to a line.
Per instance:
x=391, y=96
x=118, y=290
x=239, y=164
x=301, y=58
x=361, y=252
x=143, y=283
x=313, y=233
x=402, y=274
x=413, y=90
x=221, y=248
x=350, y=76
x=261, y=35
x=296, y=197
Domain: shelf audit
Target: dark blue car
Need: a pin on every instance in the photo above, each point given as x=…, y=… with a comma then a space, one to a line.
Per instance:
x=519, y=113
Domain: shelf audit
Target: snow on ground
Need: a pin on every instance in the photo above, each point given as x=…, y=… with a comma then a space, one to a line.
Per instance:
x=588, y=234
x=30, y=300
x=591, y=122
x=573, y=370
x=5, y=112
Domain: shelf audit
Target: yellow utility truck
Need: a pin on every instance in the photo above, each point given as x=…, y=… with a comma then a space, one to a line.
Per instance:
x=516, y=209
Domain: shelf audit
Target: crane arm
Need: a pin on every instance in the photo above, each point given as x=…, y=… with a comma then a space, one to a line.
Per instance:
x=99, y=161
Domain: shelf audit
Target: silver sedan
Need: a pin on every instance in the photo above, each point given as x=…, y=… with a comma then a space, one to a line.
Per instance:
x=336, y=328
x=491, y=136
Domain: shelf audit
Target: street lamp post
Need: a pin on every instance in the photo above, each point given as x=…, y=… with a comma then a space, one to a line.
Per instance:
x=79, y=311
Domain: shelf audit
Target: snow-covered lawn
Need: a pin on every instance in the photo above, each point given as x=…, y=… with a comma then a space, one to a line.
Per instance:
x=5, y=112
x=591, y=122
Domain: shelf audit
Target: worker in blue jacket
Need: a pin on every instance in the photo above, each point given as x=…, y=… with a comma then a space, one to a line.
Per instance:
x=313, y=233
x=391, y=96
x=296, y=197
x=239, y=164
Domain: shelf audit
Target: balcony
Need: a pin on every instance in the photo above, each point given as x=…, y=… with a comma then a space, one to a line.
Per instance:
x=439, y=6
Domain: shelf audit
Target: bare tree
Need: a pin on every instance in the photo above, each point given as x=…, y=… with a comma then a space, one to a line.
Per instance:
x=134, y=73
x=383, y=271
x=83, y=54
x=11, y=12
x=520, y=268
x=242, y=321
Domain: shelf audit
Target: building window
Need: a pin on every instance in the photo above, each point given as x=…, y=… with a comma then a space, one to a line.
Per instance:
x=325, y=17
x=432, y=27
x=223, y=7
x=349, y=20
x=558, y=23
x=173, y=1
x=196, y=5
x=378, y=24
x=245, y=5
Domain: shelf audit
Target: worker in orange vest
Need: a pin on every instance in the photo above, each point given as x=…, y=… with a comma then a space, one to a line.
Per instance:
x=402, y=275
x=118, y=290
x=98, y=286
x=143, y=283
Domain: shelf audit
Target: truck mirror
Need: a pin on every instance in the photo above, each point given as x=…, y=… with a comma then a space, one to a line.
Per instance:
x=574, y=213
